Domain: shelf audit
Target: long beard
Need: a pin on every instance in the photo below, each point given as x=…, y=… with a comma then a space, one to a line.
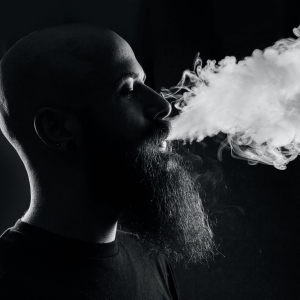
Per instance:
x=165, y=210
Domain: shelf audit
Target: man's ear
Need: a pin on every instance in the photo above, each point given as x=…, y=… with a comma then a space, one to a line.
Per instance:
x=55, y=126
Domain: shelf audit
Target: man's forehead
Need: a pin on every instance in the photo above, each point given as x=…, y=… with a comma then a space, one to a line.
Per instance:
x=79, y=49
x=121, y=63
x=106, y=53
x=106, y=50
x=63, y=44
x=101, y=49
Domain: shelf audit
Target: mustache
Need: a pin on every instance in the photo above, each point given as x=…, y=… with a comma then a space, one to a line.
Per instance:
x=158, y=132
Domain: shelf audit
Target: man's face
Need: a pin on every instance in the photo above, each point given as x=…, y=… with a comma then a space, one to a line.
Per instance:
x=150, y=183
x=127, y=109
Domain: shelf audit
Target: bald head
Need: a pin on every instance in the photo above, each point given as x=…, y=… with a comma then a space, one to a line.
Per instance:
x=81, y=88
x=74, y=86
x=60, y=67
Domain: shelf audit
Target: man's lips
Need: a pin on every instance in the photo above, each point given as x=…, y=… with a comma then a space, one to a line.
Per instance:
x=163, y=145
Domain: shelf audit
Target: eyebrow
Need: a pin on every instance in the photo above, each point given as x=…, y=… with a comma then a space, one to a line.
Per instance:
x=129, y=75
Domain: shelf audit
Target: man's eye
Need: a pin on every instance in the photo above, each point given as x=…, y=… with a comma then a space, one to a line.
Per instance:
x=127, y=91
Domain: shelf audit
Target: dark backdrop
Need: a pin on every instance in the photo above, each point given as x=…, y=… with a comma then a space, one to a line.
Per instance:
x=254, y=207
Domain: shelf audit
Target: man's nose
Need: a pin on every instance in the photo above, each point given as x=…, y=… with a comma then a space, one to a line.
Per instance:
x=156, y=107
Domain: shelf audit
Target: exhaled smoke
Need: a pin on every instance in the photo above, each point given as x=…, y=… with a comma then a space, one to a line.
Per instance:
x=255, y=101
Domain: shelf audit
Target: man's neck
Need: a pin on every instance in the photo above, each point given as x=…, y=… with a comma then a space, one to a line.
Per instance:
x=83, y=227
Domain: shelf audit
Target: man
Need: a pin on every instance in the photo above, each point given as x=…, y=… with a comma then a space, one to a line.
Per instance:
x=92, y=136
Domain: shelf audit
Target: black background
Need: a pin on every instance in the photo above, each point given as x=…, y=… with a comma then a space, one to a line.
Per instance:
x=255, y=208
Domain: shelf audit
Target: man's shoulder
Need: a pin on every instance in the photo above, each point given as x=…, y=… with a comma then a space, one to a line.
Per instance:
x=8, y=259
x=12, y=285
x=11, y=246
x=6, y=251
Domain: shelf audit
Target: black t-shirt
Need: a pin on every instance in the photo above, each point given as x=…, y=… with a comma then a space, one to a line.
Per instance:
x=38, y=264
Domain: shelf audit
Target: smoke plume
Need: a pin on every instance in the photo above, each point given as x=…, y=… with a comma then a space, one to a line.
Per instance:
x=255, y=101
